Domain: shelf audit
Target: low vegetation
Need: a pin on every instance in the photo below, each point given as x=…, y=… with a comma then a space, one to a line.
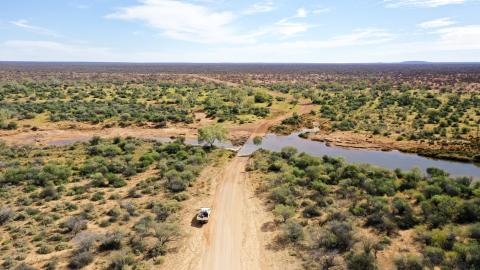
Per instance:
x=118, y=101
x=107, y=203
x=335, y=214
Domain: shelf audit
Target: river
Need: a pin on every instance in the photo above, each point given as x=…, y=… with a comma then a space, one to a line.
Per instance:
x=386, y=159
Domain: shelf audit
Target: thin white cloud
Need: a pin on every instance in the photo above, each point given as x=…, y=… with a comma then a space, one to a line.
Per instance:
x=287, y=29
x=24, y=24
x=459, y=38
x=301, y=13
x=260, y=7
x=357, y=38
x=289, y=51
x=421, y=3
x=442, y=22
x=290, y=26
x=82, y=6
x=460, y=43
x=200, y=23
x=321, y=10
x=184, y=21
x=44, y=50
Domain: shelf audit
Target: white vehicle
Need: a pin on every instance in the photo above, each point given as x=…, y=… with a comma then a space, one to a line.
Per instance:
x=203, y=215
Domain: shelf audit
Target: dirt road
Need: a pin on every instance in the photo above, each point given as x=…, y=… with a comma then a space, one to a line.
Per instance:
x=239, y=234
x=235, y=238
x=232, y=238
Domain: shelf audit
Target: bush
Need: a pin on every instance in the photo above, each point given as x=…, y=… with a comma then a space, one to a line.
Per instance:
x=49, y=193
x=282, y=195
x=440, y=210
x=469, y=211
x=74, y=224
x=435, y=172
x=262, y=97
x=44, y=249
x=434, y=255
x=112, y=241
x=120, y=260
x=360, y=261
x=284, y=212
x=158, y=249
x=97, y=196
x=182, y=196
x=52, y=264
x=80, y=260
x=288, y=152
x=12, y=125
x=409, y=262
x=403, y=214
x=6, y=214
x=292, y=231
x=177, y=185
x=468, y=255
x=336, y=235
x=474, y=231
x=166, y=232
x=311, y=211
x=24, y=266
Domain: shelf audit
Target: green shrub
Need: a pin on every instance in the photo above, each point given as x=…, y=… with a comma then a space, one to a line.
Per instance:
x=97, y=196
x=409, y=262
x=474, y=231
x=159, y=249
x=284, y=212
x=120, y=260
x=52, y=264
x=80, y=260
x=44, y=249
x=182, y=196
x=360, y=261
x=311, y=211
x=24, y=266
x=6, y=213
x=440, y=210
x=292, y=231
x=282, y=195
x=468, y=255
x=257, y=140
x=336, y=235
x=288, y=152
x=112, y=241
x=434, y=255
x=403, y=214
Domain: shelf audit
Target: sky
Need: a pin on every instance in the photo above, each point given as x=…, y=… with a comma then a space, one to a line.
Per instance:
x=267, y=31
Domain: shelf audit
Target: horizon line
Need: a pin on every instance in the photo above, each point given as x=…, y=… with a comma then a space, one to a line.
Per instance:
x=418, y=62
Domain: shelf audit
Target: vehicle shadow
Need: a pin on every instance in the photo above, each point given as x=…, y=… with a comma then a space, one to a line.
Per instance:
x=195, y=223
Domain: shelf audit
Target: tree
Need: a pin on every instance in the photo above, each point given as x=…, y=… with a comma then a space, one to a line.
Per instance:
x=210, y=134
x=4, y=116
x=257, y=140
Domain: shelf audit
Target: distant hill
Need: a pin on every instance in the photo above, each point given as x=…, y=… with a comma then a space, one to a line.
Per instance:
x=415, y=62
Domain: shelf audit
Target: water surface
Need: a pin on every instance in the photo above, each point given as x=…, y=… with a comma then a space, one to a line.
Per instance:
x=387, y=159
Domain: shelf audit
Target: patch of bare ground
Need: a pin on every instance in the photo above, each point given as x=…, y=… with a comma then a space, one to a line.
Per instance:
x=402, y=244
x=67, y=136
x=359, y=140
x=462, y=152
